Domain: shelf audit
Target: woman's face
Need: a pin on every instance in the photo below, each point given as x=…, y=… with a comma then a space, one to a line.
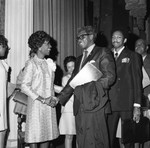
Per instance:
x=45, y=48
x=70, y=67
x=2, y=50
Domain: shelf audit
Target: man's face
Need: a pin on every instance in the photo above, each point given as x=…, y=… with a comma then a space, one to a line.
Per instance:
x=118, y=39
x=140, y=47
x=84, y=40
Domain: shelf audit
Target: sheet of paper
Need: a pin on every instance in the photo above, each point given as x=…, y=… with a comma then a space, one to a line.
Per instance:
x=146, y=80
x=11, y=88
x=87, y=74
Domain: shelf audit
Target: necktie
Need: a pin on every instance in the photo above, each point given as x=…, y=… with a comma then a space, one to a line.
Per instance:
x=116, y=55
x=85, y=53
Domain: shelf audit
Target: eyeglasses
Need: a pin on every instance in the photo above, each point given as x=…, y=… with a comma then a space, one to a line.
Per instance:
x=81, y=37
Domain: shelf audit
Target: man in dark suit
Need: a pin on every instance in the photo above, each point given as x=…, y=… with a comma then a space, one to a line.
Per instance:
x=141, y=48
x=91, y=130
x=125, y=94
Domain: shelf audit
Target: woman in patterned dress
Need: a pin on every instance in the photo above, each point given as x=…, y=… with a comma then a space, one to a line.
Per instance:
x=38, y=84
x=67, y=119
x=3, y=85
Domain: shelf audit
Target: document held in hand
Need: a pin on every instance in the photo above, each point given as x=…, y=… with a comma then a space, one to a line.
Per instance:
x=87, y=74
x=146, y=80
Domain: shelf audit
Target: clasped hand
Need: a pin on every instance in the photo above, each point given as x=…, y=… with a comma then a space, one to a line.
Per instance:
x=52, y=101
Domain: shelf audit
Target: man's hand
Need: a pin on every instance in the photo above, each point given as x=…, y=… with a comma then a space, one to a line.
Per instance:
x=52, y=101
x=136, y=114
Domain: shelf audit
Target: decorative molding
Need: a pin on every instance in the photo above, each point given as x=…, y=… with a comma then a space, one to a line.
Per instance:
x=137, y=9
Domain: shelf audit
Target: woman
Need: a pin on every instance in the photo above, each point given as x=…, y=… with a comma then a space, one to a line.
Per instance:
x=38, y=83
x=3, y=85
x=67, y=119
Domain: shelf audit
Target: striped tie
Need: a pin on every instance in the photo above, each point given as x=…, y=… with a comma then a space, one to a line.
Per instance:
x=85, y=53
x=116, y=55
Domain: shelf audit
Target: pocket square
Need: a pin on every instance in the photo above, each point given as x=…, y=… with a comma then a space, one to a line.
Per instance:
x=92, y=61
x=125, y=60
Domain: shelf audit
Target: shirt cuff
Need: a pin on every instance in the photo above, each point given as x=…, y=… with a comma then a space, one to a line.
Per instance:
x=149, y=97
x=137, y=105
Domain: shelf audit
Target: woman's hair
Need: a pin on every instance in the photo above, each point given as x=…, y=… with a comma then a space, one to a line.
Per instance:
x=37, y=39
x=31, y=54
x=67, y=60
x=4, y=42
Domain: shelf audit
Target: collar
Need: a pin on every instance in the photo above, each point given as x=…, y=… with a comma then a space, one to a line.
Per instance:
x=38, y=60
x=6, y=66
x=89, y=49
x=144, y=57
x=119, y=52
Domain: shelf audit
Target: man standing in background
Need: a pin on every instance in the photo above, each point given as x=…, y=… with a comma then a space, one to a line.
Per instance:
x=141, y=48
x=125, y=94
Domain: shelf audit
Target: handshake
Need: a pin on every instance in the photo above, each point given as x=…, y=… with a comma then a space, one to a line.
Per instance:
x=51, y=101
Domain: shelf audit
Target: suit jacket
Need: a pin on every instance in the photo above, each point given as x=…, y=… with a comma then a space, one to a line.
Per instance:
x=127, y=88
x=146, y=64
x=104, y=61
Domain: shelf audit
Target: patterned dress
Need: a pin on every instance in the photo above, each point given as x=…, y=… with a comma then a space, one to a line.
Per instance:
x=37, y=80
x=3, y=84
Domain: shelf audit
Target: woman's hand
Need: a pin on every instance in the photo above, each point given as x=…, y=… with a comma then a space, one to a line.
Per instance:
x=51, y=101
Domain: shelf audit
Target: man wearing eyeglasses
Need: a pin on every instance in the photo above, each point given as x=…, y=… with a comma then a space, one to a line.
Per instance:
x=91, y=101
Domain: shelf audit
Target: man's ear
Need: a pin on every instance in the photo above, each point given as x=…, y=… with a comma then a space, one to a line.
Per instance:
x=125, y=40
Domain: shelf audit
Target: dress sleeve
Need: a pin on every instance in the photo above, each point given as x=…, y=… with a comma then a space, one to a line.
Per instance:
x=26, y=85
x=64, y=81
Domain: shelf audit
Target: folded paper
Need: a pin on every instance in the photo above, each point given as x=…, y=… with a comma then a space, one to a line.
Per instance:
x=87, y=74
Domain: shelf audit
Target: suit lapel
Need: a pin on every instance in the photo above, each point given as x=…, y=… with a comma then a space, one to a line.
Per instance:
x=122, y=55
x=91, y=55
x=77, y=65
x=147, y=64
x=119, y=63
